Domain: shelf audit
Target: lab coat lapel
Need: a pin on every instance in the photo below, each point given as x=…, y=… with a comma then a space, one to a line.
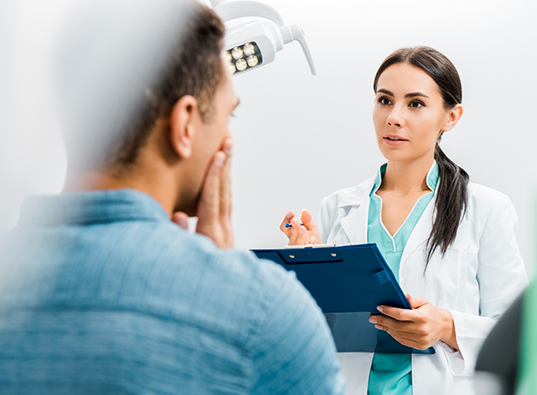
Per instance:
x=355, y=223
x=421, y=232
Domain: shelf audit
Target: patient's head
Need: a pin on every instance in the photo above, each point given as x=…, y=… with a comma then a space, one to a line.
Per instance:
x=121, y=68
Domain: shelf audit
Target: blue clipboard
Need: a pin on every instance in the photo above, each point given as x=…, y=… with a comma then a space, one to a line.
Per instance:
x=348, y=282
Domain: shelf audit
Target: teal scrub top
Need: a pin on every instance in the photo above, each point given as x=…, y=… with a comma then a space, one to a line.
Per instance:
x=392, y=373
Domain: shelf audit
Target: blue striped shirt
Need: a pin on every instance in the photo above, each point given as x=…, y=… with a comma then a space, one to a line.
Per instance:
x=101, y=293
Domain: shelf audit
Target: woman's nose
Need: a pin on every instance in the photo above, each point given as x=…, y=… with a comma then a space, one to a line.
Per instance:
x=395, y=118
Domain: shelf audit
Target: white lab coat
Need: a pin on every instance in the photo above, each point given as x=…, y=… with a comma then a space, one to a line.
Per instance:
x=481, y=273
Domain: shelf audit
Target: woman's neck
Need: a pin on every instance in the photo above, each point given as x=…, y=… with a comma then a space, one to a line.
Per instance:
x=407, y=177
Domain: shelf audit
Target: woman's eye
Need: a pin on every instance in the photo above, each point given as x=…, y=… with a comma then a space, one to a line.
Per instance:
x=417, y=104
x=384, y=101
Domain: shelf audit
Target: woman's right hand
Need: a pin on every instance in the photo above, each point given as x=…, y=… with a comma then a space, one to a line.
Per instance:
x=308, y=233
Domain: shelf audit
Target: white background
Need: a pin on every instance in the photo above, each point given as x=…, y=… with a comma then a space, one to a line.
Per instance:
x=299, y=137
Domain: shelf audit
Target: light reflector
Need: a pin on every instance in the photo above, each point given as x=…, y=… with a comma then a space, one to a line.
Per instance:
x=244, y=57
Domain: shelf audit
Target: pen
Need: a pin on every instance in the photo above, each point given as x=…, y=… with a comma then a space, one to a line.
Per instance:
x=291, y=225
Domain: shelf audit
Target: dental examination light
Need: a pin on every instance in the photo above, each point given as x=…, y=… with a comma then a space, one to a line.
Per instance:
x=253, y=44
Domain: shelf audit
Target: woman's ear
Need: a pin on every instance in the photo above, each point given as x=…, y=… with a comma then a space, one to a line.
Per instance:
x=183, y=124
x=453, y=117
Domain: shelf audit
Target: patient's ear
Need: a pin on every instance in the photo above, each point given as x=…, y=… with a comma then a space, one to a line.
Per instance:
x=183, y=121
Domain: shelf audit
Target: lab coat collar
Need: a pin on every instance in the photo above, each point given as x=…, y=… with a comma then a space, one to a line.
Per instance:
x=431, y=179
x=355, y=222
x=357, y=202
x=358, y=195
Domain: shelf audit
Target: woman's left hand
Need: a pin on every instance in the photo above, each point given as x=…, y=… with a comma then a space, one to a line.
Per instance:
x=419, y=328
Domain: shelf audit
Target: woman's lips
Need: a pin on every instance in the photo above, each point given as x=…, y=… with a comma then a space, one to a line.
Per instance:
x=394, y=140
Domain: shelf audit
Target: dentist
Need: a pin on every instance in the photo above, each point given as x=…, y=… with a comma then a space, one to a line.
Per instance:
x=450, y=243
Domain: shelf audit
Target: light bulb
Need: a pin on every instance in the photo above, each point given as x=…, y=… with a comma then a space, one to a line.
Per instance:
x=237, y=53
x=241, y=64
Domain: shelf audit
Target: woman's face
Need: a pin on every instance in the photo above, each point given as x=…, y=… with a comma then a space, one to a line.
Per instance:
x=409, y=114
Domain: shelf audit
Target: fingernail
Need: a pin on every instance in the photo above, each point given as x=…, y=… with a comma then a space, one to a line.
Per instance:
x=373, y=320
x=220, y=160
x=289, y=215
x=378, y=326
x=380, y=308
x=183, y=223
x=229, y=149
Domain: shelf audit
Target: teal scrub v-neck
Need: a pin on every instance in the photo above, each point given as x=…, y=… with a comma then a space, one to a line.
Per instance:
x=392, y=373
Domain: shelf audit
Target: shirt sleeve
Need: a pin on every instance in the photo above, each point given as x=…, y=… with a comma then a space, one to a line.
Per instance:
x=293, y=351
x=502, y=277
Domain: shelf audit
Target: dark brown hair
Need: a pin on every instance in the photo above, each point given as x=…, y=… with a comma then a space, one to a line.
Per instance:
x=452, y=192
x=196, y=69
x=121, y=70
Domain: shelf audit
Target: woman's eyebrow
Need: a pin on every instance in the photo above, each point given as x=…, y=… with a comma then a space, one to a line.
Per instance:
x=408, y=95
x=414, y=94
x=386, y=92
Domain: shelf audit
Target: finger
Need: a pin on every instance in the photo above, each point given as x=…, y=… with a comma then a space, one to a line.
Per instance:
x=307, y=220
x=417, y=302
x=299, y=234
x=303, y=235
x=287, y=219
x=406, y=338
x=209, y=204
x=408, y=342
x=294, y=233
x=389, y=324
x=180, y=219
x=227, y=147
x=225, y=186
x=396, y=313
x=310, y=226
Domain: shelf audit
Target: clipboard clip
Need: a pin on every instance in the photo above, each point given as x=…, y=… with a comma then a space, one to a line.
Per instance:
x=310, y=255
x=381, y=277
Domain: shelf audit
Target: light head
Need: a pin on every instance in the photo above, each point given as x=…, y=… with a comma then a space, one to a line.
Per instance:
x=254, y=43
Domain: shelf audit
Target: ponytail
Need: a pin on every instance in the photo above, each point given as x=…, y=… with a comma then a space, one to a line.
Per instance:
x=450, y=205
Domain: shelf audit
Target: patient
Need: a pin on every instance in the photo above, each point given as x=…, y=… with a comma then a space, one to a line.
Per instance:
x=102, y=290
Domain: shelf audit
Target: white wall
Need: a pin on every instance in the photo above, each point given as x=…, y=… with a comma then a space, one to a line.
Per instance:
x=298, y=137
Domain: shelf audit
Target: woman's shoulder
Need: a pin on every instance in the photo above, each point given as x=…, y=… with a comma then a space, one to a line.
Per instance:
x=483, y=194
x=485, y=199
x=351, y=195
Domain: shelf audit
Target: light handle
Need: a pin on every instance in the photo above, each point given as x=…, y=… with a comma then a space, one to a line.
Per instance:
x=295, y=33
x=244, y=9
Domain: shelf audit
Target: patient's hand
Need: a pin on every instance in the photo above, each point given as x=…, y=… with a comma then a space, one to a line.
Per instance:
x=308, y=233
x=214, y=206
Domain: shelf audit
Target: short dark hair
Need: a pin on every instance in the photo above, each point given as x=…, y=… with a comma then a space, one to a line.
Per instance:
x=98, y=137
x=195, y=70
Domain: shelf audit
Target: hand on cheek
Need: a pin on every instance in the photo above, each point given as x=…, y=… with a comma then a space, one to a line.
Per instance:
x=214, y=206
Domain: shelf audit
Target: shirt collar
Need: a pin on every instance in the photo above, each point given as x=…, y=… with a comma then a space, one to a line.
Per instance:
x=431, y=179
x=91, y=207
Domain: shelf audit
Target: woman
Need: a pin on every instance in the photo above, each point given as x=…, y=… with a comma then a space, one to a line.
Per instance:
x=450, y=243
